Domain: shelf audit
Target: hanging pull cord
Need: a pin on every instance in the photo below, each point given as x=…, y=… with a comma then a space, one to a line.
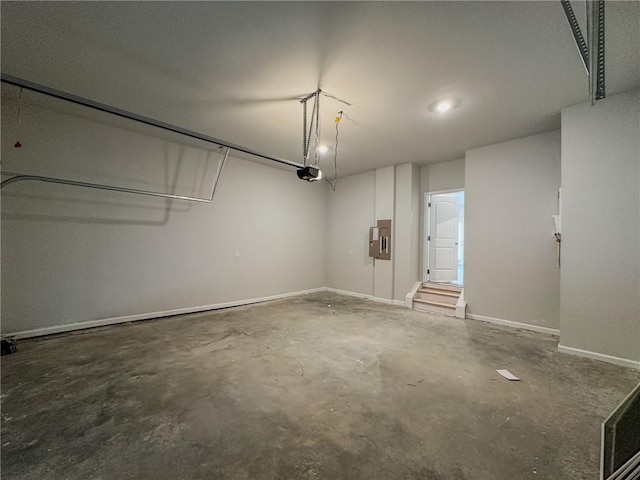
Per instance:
x=335, y=155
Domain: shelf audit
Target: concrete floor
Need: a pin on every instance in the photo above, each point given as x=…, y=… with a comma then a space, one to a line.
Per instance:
x=314, y=387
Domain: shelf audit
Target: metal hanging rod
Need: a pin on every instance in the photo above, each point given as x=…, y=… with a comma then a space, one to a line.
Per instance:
x=595, y=36
x=69, y=97
x=315, y=117
x=100, y=186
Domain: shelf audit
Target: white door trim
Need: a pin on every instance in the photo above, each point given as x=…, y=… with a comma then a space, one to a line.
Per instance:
x=450, y=190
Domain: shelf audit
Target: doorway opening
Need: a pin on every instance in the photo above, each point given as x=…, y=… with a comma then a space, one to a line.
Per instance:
x=444, y=237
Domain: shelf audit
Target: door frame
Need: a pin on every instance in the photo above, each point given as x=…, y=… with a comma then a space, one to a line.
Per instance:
x=426, y=220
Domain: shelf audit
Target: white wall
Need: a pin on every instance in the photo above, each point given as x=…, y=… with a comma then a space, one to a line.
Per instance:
x=600, y=295
x=74, y=255
x=385, y=210
x=510, y=252
x=389, y=193
x=406, y=229
x=351, y=212
x=445, y=175
x=416, y=226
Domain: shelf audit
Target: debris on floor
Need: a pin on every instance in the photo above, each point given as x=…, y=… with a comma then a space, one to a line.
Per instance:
x=506, y=421
x=9, y=345
x=508, y=375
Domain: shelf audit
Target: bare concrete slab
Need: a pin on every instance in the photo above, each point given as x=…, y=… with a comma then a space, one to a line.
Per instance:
x=321, y=386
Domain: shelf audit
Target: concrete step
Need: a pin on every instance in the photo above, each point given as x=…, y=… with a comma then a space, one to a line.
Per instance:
x=436, y=304
x=430, y=308
x=442, y=286
x=439, y=291
x=437, y=297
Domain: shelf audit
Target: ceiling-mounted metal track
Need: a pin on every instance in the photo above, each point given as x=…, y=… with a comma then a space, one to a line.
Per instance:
x=592, y=50
x=577, y=34
x=69, y=97
x=595, y=35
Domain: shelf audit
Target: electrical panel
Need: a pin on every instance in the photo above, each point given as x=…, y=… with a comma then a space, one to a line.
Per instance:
x=380, y=240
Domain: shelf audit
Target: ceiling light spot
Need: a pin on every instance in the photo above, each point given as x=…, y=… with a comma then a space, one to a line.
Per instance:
x=323, y=149
x=444, y=105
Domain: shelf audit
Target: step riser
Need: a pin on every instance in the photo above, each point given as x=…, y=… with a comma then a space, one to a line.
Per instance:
x=440, y=292
x=439, y=286
x=449, y=312
x=437, y=304
x=436, y=298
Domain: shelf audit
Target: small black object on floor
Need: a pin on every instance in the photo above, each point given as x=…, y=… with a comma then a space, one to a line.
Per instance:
x=9, y=345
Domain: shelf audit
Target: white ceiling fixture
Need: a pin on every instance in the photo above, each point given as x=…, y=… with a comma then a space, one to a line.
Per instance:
x=444, y=105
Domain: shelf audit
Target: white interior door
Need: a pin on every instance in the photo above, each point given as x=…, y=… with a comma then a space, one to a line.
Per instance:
x=443, y=238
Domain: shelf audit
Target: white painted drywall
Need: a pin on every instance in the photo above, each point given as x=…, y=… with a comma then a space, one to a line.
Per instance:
x=510, y=252
x=351, y=214
x=390, y=193
x=600, y=295
x=406, y=229
x=445, y=176
x=424, y=188
x=384, y=210
x=73, y=255
x=416, y=224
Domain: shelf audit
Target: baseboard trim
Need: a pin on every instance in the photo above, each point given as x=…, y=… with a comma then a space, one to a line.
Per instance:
x=623, y=362
x=39, y=332
x=366, y=296
x=349, y=293
x=510, y=323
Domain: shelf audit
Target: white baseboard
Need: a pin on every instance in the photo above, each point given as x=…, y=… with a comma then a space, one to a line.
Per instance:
x=624, y=362
x=38, y=332
x=388, y=301
x=510, y=323
x=366, y=296
x=347, y=292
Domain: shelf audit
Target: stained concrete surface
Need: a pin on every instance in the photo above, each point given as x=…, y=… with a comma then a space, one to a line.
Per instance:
x=320, y=386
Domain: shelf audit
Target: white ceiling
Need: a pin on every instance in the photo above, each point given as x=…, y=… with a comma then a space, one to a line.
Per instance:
x=234, y=70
